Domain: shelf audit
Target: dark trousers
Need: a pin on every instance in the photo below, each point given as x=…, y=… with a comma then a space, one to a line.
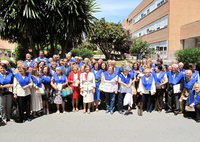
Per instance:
x=147, y=101
x=158, y=99
x=110, y=101
x=103, y=100
x=120, y=101
x=24, y=102
x=173, y=101
x=197, y=111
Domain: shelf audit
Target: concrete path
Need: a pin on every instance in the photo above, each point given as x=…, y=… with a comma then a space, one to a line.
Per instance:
x=102, y=127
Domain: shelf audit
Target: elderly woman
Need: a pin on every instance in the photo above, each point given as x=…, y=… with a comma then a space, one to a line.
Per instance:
x=42, y=63
x=161, y=80
x=125, y=83
x=58, y=82
x=74, y=80
x=97, y=73
x=109, y=82
x=146, y=89
x=6, y=79
x=36, y=98
x=21, y=89
x=87, y=85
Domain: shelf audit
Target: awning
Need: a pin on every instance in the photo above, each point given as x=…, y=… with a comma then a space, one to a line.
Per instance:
x=2, y=47
x=195, y=36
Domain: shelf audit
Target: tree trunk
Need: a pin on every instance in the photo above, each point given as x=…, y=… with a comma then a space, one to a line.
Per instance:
x=32, y=45
x=55, y=48
x=64, y=48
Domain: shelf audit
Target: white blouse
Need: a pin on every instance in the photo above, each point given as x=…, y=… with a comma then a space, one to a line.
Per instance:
x=110, y=86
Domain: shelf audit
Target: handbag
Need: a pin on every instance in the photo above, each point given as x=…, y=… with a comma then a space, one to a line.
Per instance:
x=67, y=91
x=50, y=98
x=134, y=91
x=15, y=110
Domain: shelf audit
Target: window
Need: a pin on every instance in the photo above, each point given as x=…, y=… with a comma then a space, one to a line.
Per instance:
x=148, y=11
x=142, y=15
x=130, y=21
x=152, y=27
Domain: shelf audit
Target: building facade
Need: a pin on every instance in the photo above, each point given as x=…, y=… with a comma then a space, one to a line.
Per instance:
x=162, y=23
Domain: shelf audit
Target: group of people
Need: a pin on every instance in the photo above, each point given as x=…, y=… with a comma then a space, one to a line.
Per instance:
x=37, y=84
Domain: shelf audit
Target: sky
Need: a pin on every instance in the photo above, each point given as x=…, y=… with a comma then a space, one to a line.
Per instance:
x=116, y=10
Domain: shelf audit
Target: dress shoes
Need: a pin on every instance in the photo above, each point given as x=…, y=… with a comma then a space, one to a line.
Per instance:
x=29, y=119
x=168, y=111
x=176, y=113
x=198, y=120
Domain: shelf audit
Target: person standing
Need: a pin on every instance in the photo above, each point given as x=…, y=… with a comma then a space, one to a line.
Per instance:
x=21, y=89
x=74, y=81
x=176, y=80
x=146, y=89
x=66, y=68
x=41, y=57
x=6, y=80
x=87, y=86
x=161, y=80
x=195, y=73
x=46, y=80
x=58, y=82
x=97, y=73
x=110, y=87
x=36, y=98
x=28, y=61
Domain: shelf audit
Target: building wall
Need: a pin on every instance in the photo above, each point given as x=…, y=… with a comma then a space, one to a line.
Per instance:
x=124, y=23
x=181, y=12
x=191, y=29
x=5, y=45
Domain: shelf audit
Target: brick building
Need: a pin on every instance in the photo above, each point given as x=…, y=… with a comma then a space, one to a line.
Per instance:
x=167, y=25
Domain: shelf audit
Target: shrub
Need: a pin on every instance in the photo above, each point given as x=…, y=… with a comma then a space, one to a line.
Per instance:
x=19, y=53
x=189, y=55
x=83, y=52
x=12, y=64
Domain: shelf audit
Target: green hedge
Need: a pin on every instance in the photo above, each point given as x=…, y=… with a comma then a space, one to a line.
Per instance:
x=189, y=55
x=83, y=52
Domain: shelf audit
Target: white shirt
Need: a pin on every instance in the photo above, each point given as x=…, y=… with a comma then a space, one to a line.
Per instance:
x=142, y=89
x=110, y=86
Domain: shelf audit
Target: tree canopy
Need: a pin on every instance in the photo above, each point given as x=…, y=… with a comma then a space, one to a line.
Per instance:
x=137, y=45
x=40, y=23
x=107, y=36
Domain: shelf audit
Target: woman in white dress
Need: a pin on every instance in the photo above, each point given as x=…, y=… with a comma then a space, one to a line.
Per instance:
x=36, y=98
x=87, y=85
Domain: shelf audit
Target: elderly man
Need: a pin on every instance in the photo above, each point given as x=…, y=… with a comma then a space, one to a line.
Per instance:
x=93, y=61
x=175, y=87
x=146, y=88
x=55, y=59
x=86, y=61
x=77, y=62
x=116, y=69
x=100, y=61
x=188, y=85
x=41, y=57
x=28, y=61
x=194, y=101
x=195, y=73
x=174, y=62
x=8, y=69
x=180, y=67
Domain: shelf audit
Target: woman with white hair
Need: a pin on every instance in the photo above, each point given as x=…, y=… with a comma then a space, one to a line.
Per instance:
x=146, y=89
x=125, y=83
x=58, y=82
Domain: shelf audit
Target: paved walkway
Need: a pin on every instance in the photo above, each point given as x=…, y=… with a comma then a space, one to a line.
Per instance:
x=102, y=127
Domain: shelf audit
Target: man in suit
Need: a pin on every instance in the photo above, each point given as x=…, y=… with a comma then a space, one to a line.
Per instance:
x=175, y=77
x=66, y=69
x=194, y=101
